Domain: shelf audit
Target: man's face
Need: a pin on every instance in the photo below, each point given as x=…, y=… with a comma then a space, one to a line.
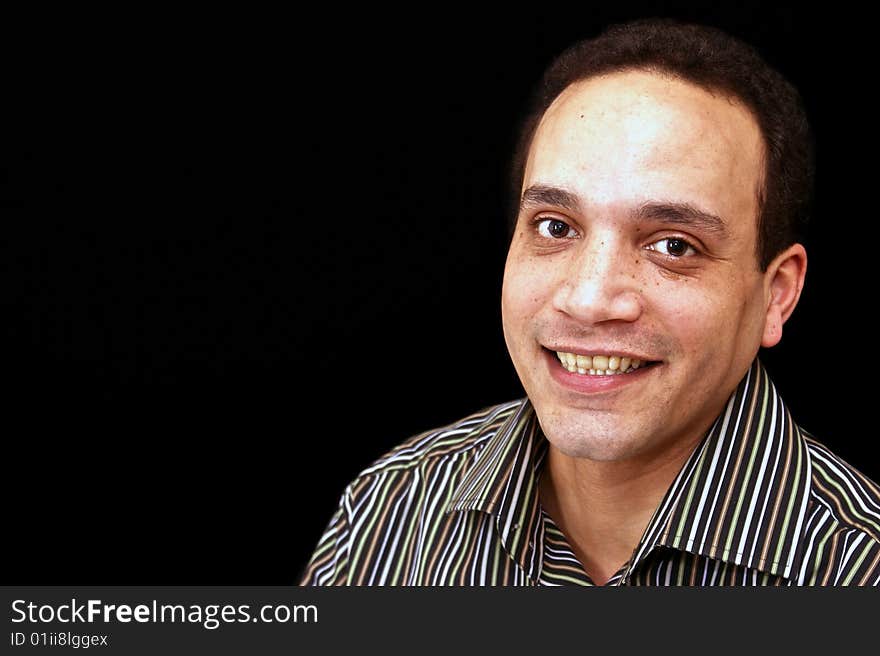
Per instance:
x=636, y=241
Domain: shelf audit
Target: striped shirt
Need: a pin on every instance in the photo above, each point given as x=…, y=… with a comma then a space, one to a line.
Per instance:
x=758, y=502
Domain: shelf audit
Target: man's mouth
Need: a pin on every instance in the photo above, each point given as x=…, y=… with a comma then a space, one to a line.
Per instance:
x=600, y=365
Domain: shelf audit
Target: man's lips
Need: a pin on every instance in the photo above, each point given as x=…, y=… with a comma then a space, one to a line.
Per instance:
x=625, y=371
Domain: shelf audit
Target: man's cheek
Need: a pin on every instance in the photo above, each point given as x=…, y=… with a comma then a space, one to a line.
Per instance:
x=521, y=297
x=535, y=284
x=693, y=315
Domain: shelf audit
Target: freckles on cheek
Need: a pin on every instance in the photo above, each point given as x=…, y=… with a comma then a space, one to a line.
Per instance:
x=525, y=287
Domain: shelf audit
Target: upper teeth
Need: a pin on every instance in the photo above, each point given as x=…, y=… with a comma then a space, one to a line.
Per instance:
x=597, y=365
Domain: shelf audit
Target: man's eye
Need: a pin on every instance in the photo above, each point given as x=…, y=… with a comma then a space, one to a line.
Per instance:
x=673, y=246
x=555, y=229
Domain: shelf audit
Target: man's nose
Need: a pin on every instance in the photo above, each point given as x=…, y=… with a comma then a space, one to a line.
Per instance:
x=602, y=283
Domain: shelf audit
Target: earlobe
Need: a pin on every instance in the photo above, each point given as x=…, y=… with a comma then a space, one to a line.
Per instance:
x=784, y=282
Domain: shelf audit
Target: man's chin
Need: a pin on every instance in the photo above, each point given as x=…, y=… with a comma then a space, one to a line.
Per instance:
x=602, y=439
x=600, y=451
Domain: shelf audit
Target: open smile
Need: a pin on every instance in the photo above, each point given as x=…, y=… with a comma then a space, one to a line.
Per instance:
x=596, y=372
x=599, y=365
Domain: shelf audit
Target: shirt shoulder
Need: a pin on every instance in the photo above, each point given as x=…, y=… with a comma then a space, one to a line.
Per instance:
x=445, y=442
x=851, y=496
x=385, y=529
x=844, y=521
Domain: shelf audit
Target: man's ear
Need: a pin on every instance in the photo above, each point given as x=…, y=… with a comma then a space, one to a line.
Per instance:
x=783, y=282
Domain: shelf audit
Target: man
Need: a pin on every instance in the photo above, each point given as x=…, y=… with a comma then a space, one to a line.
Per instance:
x=661, y=181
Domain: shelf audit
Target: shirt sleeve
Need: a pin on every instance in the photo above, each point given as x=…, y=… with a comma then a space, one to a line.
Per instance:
x=329, y=562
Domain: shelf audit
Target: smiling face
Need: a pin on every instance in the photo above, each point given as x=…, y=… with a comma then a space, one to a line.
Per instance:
x=635, y=245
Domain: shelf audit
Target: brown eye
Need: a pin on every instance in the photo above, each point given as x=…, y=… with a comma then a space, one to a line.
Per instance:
x=673, y=246
x=676, y=247
x=555, y=229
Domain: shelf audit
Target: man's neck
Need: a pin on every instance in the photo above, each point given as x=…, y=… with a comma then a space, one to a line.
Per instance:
x=603, y=508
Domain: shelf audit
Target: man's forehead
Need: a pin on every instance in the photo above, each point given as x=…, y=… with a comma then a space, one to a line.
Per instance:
x=634, y=136
x=631, y=89
x=649, y=110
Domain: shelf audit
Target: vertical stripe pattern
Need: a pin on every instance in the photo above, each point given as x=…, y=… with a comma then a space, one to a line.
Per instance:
x=759, y=502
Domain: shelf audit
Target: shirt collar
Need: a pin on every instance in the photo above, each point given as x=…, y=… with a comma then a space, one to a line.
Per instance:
x=502, y=481
x=740, y=498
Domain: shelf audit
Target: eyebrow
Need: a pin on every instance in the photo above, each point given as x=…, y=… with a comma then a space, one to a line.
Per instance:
x=681, y=214
x=673, y=213
x=544, y=195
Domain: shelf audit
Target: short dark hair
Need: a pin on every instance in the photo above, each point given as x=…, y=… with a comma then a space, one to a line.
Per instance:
x=714, y=60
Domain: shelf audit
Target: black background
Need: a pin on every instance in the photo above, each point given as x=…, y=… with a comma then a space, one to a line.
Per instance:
x=250, y=253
